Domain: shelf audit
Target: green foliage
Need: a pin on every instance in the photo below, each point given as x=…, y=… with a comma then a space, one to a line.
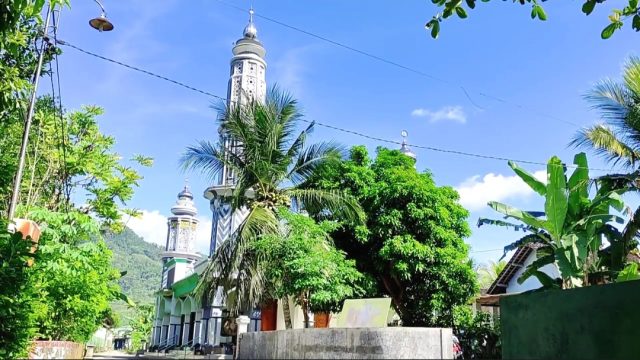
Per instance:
x=630, y=272
x=140, y=260
x=478, y=333
x=275, y=160
x=569, y=233
x=141, y=325
x=617, y=17
x=17, y=294
x=76, y=284
x=301, y=262
x=412, y=242
x=20, y=28
x=82, y=163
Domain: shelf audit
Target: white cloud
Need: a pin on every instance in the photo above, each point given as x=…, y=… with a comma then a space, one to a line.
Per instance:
x=447, y=113
x=476, y=191
x=151, y=226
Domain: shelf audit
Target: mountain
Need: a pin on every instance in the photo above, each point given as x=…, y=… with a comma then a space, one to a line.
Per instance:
x=141, y=261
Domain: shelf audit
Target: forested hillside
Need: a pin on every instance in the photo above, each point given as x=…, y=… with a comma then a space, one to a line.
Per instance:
x=141, y=261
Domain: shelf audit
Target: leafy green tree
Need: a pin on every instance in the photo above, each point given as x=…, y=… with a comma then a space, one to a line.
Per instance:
x=76, y=284
x=412, y=242
x=20, y=28
x=617, y=17
x=141, y=325
x=478, y=333
x=274, y=160
x=570, y=231
x=73, y=275
x=301, y=262
x=17, y=291
x=80, y=161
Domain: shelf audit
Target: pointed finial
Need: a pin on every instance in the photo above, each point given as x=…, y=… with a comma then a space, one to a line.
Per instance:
x=250, y=31
x=404, y=135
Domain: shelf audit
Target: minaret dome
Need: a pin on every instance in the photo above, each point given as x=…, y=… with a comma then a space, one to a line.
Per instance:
x=404, y=148
x=250, y=31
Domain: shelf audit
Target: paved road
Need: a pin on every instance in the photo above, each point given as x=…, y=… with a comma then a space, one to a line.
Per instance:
x=113, y=355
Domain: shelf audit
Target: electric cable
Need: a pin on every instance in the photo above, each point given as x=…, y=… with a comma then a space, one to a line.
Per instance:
x=359, y=134
x=398, y=65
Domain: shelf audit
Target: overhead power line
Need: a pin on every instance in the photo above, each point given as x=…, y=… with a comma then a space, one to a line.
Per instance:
x=401, y=66
x=360, y=134
x=485, y=251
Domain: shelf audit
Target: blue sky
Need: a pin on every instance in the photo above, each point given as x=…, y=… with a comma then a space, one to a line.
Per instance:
x=541, y=69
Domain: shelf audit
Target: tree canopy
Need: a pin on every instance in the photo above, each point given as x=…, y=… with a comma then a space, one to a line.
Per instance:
x=301, y=262
x=412, y=243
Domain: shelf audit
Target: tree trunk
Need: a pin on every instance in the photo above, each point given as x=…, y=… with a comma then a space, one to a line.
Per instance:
x=629, y=233
x=305, y=310
x=287, y=312
x=396, y=294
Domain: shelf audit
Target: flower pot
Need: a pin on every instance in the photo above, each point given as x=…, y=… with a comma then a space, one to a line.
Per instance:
x=321, y=319
x=268, y=316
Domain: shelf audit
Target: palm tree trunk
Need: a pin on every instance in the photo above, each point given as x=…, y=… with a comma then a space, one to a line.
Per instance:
x=630, y=232
x=287, y=312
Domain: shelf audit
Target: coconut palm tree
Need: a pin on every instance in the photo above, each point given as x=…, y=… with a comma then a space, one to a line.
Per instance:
x=617, y=139
x=274, y=162
x=489, y=272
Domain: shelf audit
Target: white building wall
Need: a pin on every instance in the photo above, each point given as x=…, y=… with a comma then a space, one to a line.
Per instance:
x=297, y=316
x=531, y=283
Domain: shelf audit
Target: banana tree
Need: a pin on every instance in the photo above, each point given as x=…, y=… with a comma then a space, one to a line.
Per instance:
x=570, y=231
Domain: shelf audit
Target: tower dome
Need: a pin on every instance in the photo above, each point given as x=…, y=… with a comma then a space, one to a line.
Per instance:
x=184, y=205
x=404, y=148
x=250, y=31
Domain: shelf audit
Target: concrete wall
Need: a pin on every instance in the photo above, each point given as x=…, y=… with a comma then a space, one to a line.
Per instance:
x=56, y=350
x=352, y=343
x=595, y=322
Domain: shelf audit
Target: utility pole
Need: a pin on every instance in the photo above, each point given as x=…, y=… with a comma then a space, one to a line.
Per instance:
x=28, y=120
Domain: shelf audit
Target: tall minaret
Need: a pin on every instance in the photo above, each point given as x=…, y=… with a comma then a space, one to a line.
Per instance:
x=179, y=255
x=247, y=81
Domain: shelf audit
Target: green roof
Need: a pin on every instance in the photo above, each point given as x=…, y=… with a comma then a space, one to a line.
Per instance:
x=185, y=286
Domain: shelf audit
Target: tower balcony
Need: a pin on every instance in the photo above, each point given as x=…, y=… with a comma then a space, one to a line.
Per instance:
x=180, y=255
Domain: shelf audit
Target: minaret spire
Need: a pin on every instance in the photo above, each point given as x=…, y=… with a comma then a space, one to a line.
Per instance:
x=250, y=31
x=404, y=147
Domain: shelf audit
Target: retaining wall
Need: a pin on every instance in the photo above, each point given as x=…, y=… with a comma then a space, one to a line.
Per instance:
x=348, y=343
x=594, y=322
x=56, y=350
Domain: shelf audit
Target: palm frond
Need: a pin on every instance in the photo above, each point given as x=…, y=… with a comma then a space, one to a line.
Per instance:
x=297, y=146
x=231, y=261
x=311, y=158
x=606, y=143
x=204, y=156
x=610, y=98
x=333, y=201
x=631, y=76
